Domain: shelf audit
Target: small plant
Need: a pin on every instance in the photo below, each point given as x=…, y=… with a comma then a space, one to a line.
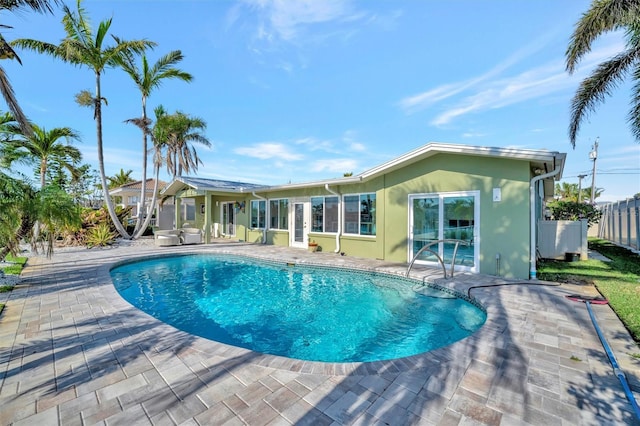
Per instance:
x=635, y=355
x=5, y=288
x=100, y=235
x=575, y=358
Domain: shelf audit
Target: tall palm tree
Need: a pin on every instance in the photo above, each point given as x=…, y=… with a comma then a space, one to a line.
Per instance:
x=604, y=16
x=147, y=78
x=6, y=52
x=181, y=132
x=41, y=148
x=84, y=48
x=120, y=178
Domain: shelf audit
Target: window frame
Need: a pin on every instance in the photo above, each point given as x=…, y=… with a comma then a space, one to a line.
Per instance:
x=262, y=214
x=280, y=219
x=323, y=212
x=348, y=224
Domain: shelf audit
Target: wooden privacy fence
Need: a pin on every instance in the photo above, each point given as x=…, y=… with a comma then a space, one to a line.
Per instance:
x=620, y=222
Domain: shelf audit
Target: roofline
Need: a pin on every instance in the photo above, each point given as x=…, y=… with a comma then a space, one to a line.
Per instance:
x=433, y=148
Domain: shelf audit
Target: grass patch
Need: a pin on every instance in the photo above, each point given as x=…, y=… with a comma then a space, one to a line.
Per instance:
x=618, y=281
x=16, y=265
x=5, y=288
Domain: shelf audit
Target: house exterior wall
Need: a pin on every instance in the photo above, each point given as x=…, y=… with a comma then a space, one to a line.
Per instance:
x=503, y=226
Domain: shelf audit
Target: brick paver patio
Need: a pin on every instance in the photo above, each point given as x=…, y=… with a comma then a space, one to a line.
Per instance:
x=73, y=352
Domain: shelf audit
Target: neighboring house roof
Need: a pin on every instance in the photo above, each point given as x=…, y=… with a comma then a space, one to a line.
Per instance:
x=542, y=161
x=137, y=186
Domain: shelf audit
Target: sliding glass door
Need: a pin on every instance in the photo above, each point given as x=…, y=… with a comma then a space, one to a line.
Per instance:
x=441, y=220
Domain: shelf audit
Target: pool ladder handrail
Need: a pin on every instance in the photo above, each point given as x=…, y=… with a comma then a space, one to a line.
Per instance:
x=427, y=248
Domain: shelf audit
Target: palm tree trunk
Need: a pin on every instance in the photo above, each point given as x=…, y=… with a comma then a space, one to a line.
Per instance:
x=154, y=199
x=23, y=231
x=103, y=177
x=143, y=190
x=43, y=172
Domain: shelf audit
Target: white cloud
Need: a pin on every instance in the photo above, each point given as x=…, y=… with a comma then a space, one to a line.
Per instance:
x=340, y=165
x=473, y=135
x=488, y=92
x=283, y=19
x=313, y=144
x=266, y=150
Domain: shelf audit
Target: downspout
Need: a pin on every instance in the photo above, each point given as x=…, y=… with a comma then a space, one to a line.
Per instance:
x=326, y=186
x=533, y=227
x=266, y=212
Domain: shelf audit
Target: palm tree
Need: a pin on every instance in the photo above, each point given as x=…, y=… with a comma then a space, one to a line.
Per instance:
x=604, y=16
x=146, y=79
x=178, y=131
x=22, y=207
x=120, y=178
x=81, y=47
x=41, y=148
x=6, y=52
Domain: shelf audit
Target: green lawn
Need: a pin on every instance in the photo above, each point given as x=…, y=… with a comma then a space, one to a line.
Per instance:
x=13, y=269
x=618, y=280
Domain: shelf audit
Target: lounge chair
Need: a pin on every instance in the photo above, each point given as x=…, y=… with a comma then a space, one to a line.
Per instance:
x=190, y=235
x=167, y=237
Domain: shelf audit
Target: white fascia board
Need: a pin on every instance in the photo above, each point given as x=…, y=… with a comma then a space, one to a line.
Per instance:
x=434, y=148
x=319, y=183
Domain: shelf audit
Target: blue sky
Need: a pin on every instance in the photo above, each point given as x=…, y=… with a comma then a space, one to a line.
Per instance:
x=295, y=91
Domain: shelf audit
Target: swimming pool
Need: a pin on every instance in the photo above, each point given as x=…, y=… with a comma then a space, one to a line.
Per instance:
x=309, y=313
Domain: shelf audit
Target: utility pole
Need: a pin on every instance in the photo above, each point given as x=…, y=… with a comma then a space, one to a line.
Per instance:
x=594, y=156
x=580, y=177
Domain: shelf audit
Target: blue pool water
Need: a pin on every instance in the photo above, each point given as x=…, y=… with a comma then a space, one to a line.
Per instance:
x=308, y=313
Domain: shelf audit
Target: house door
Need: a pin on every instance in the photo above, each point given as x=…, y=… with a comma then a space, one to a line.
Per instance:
x=300, y=218
x=228, y=220
x=448, y=216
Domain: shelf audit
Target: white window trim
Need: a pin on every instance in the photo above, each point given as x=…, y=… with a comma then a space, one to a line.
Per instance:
x=324, y=203
x=266, y=212
x=476, y=228
x=344, y=213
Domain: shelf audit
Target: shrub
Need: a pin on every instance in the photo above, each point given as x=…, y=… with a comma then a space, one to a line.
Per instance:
x=570, y=210
x=100, y=235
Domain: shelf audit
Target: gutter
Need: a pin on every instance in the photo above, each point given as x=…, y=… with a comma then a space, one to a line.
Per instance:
x=533, y=227
x=339, y=233
x=266, y=222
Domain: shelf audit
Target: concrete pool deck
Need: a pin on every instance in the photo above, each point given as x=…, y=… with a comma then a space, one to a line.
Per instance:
x=73, y=352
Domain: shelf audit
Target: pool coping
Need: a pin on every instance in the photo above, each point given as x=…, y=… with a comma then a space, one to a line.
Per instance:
x=415, y=362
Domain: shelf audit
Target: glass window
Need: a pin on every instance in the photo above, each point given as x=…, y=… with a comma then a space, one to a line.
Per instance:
x=351, y=210
x=360, y=214
x=449, y=217
x=324, y=214
x=284, y=214
x=278, y=214
x=331, y=214
x=258, y=213
x=317, y=214
x=132, y=199
x=368, y=214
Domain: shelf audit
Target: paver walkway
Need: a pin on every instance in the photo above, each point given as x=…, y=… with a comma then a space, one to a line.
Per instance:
x=73, y=352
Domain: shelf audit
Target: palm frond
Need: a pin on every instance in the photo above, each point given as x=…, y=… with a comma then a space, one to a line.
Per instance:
x=12, y=103
x=40, y=6
x=603, y=16
x=594, y=89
